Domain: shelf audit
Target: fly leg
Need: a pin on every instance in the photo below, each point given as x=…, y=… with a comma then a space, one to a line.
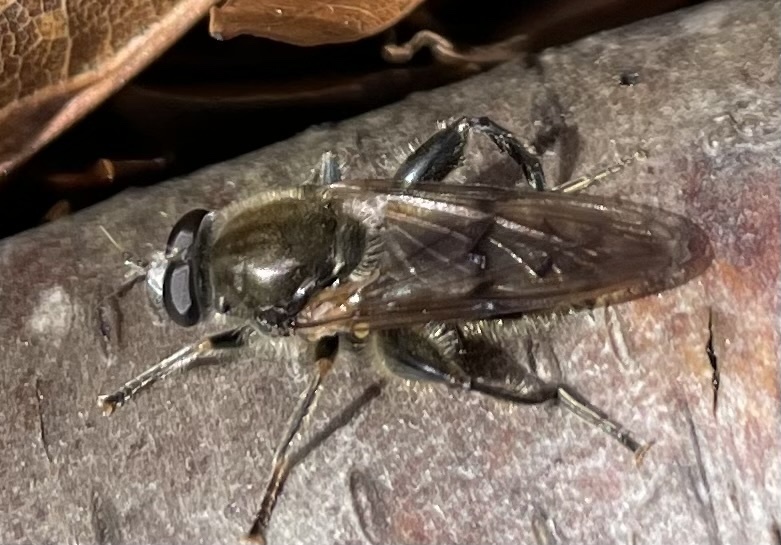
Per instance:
x=444, y=151
x=433, y=353
x=533, y=390
x=579, y=184
x=325, y=353
x=186, y=358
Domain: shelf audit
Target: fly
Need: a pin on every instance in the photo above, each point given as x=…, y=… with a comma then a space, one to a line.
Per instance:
x=412, y=266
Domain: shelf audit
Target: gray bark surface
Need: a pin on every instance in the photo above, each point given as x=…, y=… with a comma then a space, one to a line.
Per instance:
x=187, y=462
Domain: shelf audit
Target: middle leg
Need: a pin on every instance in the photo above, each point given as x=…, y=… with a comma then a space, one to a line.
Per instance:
x=325, y=352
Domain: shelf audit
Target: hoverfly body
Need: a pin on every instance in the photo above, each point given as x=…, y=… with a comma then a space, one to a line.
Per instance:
x=403, y=263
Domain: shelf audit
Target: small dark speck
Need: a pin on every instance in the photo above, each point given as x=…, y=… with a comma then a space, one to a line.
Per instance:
x=629, y=79
x=232, y=511
x=776, y=533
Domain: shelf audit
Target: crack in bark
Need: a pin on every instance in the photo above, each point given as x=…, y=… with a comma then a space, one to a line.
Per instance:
x=41, y=426
x=714, y=362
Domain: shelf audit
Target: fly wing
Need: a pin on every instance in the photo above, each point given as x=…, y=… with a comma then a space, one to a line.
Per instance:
x=456, y=252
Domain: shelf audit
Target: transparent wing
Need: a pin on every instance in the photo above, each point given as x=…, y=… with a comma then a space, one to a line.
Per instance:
x=455, y=252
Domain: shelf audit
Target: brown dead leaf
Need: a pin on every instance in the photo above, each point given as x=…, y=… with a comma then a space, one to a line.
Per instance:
x=307, y=22
x=59, y=60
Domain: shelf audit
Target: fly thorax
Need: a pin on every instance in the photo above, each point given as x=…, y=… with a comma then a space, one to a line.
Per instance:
x=267, y=261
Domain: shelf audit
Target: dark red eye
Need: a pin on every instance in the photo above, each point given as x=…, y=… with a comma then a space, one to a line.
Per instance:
x=184, y=231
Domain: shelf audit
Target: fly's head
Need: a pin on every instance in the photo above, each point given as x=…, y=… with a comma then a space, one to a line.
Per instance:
x=179, y=276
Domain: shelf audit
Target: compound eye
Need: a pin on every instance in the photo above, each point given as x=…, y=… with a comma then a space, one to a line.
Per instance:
x=184, y=231
x=179, y=294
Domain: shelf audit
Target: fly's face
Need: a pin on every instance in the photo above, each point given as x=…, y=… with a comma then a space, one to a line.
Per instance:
x=259, y=263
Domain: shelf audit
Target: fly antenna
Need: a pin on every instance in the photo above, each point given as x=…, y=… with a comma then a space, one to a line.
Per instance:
x=111, y=239
x=579, y=184
x=128, y=257
x=138, y=267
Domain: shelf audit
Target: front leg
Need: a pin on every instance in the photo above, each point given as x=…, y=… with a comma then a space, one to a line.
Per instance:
x=186, y=358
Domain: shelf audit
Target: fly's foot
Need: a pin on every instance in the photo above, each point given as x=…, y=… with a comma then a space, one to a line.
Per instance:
x=255, y=537
x=110, y=403
x=640, y=453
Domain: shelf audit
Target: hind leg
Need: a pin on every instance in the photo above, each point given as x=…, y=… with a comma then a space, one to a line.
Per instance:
x=434, y=353
x=444, y=151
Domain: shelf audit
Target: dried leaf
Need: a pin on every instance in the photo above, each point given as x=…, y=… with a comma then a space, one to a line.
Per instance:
x=307, y=22
x=59, y=60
